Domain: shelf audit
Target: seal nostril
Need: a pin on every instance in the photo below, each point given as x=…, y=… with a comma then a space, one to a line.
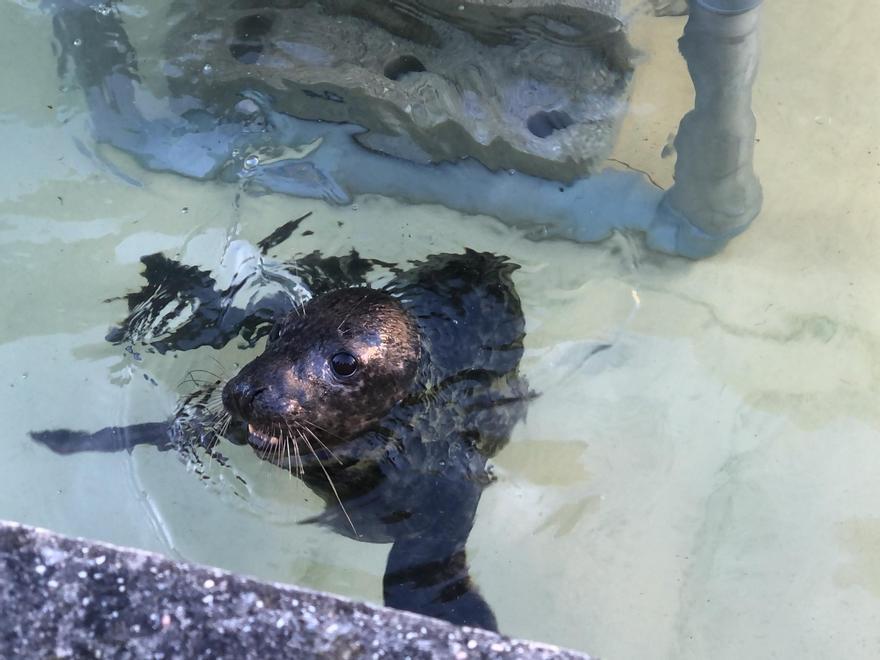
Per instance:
x=228, y=397
x=239, y=398
x=250, y=396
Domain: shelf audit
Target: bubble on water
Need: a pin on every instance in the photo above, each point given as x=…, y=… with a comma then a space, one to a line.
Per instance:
x=251, y=162
x=207, y=69
x=77, y=42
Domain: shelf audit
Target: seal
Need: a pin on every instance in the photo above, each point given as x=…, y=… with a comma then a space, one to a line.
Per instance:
x=388, y=403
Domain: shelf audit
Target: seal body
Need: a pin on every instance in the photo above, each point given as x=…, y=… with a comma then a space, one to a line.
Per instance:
x=397, y=443
x=386, y=402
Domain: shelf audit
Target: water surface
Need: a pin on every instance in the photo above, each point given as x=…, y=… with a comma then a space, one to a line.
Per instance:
x=706, y=487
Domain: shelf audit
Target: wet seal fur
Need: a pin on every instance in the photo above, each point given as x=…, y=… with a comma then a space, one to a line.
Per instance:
x=387, y=403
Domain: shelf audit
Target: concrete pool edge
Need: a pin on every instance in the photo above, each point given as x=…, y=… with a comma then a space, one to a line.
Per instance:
x=66, y=597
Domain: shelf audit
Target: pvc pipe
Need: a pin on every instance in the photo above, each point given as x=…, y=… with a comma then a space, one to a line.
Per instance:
x=716, y=194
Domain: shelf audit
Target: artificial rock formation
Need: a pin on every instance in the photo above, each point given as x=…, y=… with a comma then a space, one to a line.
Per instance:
x=538, y=86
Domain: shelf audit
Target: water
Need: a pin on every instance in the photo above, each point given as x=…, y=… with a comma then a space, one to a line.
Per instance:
x=704, y=488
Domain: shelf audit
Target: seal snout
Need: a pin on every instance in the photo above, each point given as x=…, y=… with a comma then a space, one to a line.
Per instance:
x=244, y=401
x=239, y=397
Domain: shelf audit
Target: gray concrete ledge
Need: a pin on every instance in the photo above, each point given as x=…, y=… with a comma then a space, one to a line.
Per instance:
x=64, y=597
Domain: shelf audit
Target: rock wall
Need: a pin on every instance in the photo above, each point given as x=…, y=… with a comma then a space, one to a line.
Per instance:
x=538, y=86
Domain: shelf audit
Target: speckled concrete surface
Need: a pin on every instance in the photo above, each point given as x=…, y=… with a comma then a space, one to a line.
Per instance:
x=70, y=598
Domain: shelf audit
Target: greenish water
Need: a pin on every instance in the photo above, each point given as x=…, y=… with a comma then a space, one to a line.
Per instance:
x=706, y=488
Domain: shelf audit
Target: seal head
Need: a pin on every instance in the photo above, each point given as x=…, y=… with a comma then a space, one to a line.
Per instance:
x=330, y=370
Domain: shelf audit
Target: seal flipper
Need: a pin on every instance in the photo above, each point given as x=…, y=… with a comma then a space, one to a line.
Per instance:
x=427, y=570
x=110, y=439
x=439, y=586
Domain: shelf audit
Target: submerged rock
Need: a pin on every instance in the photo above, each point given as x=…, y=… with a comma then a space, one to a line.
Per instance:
x=537, y=86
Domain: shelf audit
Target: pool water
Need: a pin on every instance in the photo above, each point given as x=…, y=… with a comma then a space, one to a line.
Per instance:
x=705, y=488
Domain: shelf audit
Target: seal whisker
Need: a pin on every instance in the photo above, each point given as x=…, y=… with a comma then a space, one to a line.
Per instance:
x=219, y=420
x=192, y=379
x=217, y=414
x=321, y=428
x=206, y=371
x=279, y=436
x=219, y=410
x=215, y=406
x=332, y=485
x=329, y=451
x=277, y=446
x=219, y=364
x=292, y=454
x=287, y=440
x=289, y=458
x=270, y=450
x=300, y=470
x=215, y=401
x=299, y=460
x=211, y=421
x=195, y=381
x=273, y=449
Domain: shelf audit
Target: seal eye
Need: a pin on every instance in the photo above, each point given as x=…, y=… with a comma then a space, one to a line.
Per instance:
x=344, y=364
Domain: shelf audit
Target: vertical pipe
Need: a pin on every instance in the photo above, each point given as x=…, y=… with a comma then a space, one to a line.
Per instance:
x=716, y=194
